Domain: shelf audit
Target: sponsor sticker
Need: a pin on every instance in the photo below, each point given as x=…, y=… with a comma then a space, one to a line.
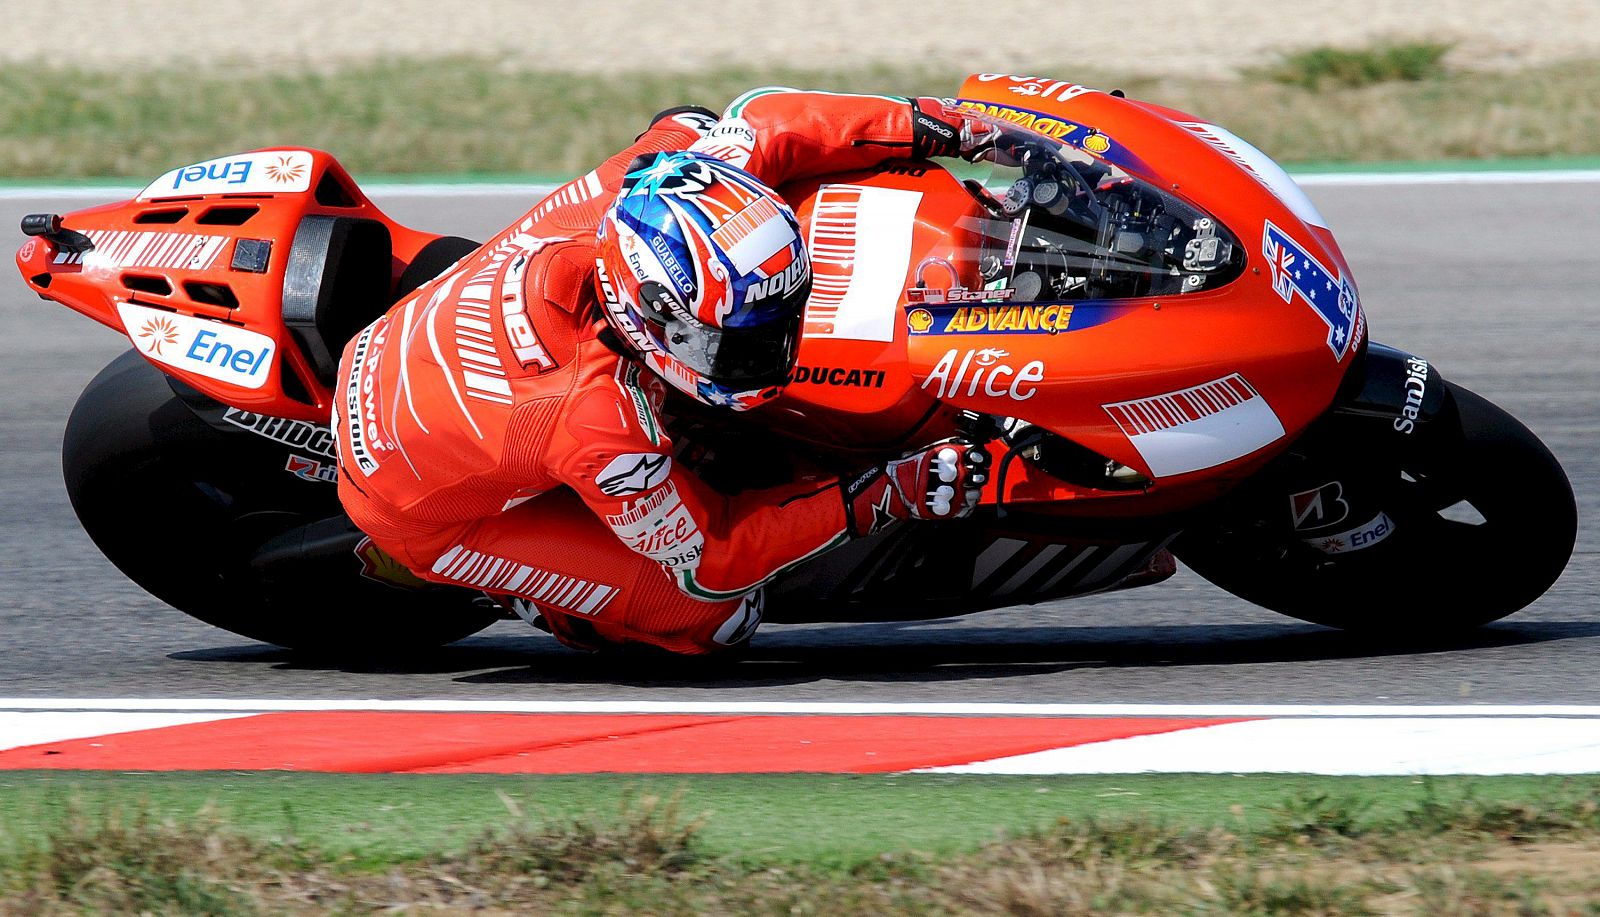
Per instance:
x=1416, y=386
x=744, y=620
x=731, y=140
x=211, y=349
x=1356, y=539
x=365, y=434
x=1052, y=126
x=1318, y=507
x=956, y=294
x=659, y=526
x=837, y=375
x=297, y=433
x=986, y=372
x=247, y=173
x=1030, y=318
x=1037, y=86
x=620, y=317
x=310, y=469
x=1199, y=427
x=860, y=246
x=634, y=472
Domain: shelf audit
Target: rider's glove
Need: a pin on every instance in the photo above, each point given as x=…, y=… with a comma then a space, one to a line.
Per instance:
x=941, y=130
x=942, y=481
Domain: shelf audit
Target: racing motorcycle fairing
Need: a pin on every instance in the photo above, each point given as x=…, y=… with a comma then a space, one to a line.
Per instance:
x=1124, y=278
x=240, y=276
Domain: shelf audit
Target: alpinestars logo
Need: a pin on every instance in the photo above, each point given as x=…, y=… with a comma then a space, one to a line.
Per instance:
x=744, y=620
x=634, y=472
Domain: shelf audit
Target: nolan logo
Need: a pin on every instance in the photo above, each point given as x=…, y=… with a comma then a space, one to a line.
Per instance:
x=779, y=285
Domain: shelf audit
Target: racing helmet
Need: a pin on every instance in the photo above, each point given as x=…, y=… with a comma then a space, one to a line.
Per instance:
x=703, y=274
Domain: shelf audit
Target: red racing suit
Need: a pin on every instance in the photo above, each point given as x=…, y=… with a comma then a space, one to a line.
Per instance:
x=479, y=411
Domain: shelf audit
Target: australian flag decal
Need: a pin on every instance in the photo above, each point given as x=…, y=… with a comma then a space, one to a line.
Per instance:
x=1332, y=298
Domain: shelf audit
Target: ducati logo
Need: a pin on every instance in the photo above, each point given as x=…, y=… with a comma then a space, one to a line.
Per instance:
x=1313, y=509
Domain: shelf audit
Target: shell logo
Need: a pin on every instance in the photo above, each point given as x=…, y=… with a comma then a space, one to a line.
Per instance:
x=1097, y=143
x=284, y=170
x=158, y=332
x=919, y=320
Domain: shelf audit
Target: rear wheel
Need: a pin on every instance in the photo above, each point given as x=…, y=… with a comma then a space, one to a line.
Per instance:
x=184, y=510
x=1469, y=530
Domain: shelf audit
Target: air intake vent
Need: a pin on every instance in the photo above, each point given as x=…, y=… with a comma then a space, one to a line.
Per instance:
x=170, y=215
x=293, y=385
x=155, y=286
x=332, y=193
x=212, y=294
x=228, y=216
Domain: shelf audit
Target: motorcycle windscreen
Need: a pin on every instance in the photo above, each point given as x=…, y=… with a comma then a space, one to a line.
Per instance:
x=1063, y=226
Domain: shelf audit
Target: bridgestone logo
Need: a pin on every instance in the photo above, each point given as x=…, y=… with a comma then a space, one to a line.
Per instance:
x=352, y=406
x=296, y=433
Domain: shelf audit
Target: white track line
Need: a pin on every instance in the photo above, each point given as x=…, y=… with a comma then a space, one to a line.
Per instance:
x=1357, y=746
x=1485, y=177
x=19, y=729
x=752, y=708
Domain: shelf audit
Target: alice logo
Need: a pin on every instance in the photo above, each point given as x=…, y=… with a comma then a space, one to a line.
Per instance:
x=159, y=332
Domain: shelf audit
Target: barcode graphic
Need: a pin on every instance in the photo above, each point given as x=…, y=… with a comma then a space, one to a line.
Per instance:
x=481, y=369
x=745, y=222
x=1163, y=412
x=120, y=248
x=497, y=574
x=643, y=507
x=833, y=255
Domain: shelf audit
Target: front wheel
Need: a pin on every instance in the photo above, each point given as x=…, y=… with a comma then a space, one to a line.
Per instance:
x=1450, y=537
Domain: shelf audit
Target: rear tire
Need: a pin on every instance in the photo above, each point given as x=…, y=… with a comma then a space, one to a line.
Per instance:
x=182, y=508
x=1434, y=573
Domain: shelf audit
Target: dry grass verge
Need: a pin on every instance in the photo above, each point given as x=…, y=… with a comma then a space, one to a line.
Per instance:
x=470, y=116
x=1321, y=854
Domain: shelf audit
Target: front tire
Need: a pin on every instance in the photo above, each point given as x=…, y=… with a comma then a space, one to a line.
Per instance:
x=1483, y=523
x=182, y=509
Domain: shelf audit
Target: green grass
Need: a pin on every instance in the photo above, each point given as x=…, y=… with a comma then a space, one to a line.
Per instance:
x=278, y=843
x=830, y=820
x=1315, y=68
x=466, y=116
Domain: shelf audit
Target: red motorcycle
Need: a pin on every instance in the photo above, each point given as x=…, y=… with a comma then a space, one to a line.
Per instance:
x=1141, y=312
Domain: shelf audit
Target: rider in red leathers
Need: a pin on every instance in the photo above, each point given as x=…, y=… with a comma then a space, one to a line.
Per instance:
x=534, y=376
